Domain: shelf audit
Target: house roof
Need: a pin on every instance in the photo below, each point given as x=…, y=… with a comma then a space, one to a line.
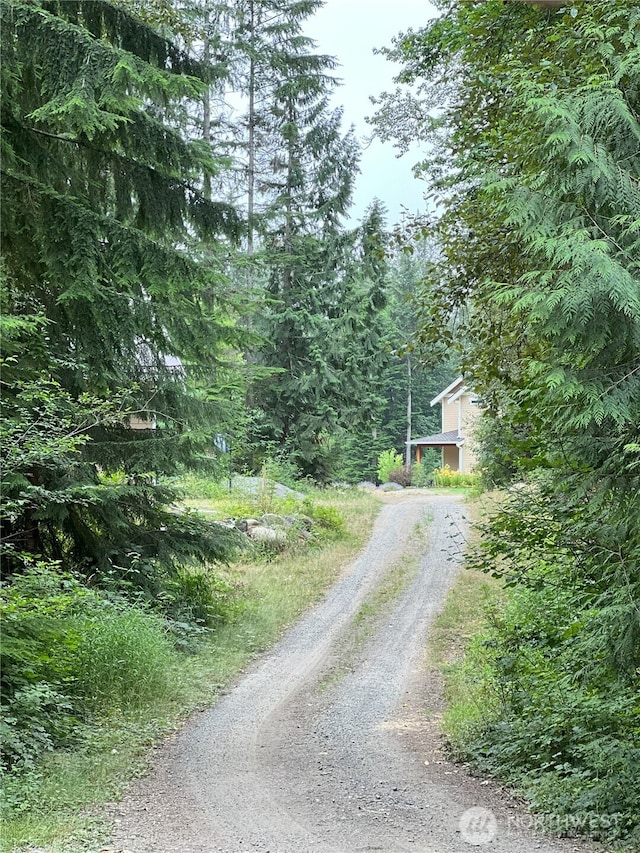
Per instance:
x=439, y=439
x=448, y=390
x=462, y=390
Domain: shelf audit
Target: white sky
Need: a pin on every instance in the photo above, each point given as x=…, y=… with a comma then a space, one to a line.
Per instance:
x=350, y=30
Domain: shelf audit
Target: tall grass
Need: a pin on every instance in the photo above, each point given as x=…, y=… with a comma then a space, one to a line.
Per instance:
x=456, y=638
x=122, y=660
x=456, y=648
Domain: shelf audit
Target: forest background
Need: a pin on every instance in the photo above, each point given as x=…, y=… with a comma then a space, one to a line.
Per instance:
x=172, y=264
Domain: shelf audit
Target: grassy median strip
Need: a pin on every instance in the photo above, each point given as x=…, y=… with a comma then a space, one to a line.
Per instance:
x=56, y=806
x=369, y=615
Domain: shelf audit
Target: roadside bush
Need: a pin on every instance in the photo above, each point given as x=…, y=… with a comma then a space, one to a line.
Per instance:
x=444, y=477
x=38, y=638
x=422, y=475
x=283, y=471
x=328, y=518
x=34, y=719
x=203, y=487
x=400, y=476
x=563, y=656
x=68, y=651
x=200, y=599
x=388, y=461
x=572, y=748
x=122, y=659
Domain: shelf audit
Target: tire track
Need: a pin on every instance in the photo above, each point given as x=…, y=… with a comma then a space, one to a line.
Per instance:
x=281, y=766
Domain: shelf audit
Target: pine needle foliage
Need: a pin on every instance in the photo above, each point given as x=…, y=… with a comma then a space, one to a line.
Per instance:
x=114, y=291
x=329, y=343
x=321, y=322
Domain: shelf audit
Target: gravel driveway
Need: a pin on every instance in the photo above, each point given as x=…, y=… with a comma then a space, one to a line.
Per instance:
x=293, y=760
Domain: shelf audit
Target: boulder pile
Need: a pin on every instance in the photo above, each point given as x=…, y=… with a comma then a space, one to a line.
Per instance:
x=274, y=530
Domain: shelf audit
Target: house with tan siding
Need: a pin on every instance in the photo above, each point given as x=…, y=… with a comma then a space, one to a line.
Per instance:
x=460, y=409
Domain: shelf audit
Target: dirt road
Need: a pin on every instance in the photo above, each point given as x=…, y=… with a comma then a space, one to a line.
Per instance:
x=324, y=749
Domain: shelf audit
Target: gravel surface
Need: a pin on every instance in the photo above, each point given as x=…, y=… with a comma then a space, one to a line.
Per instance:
x=306, y=754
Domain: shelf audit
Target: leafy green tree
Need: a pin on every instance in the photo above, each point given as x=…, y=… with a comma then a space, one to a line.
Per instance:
x=539, y=286
x=105, y=229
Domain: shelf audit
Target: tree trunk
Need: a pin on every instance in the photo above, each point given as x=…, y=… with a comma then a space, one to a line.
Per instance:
x=407, y=451
x=251, y=169
x=206, y=105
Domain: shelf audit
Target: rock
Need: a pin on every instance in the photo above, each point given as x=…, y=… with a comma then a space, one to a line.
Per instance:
x=270, y=519
x=366, y=485
x=256, y=485
x=270, y=535
x=391, y=487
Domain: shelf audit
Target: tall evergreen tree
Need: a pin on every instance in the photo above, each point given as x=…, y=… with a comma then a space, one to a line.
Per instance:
x=397, y=379
x=301, y=190
x=416, y=371
x=329, y=345
x=266, y=47
x=105, y=226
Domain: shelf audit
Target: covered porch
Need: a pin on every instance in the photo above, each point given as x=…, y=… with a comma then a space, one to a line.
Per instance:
x=449, y=442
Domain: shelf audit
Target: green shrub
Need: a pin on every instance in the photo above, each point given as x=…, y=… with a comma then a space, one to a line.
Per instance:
x=38, y=638
x=68, y=651
x=564, y=723
x=422, y=475
x=34, y=720
x=328, y=518
x=388, y=461
x=122, y=659
x=200, y=598
x=283, y=471
x=204, y=487
x=573, y=749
